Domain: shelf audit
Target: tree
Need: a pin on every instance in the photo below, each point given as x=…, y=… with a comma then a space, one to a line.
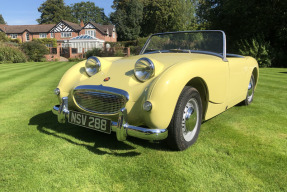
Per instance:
x=246, y=20
x=88, y=11
x=2, y=21
x=127, y=17
x=168, y=15
x=53, y=11
x=3, y=37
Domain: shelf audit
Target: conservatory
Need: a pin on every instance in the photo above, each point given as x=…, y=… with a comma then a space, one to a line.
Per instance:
x=84, y=41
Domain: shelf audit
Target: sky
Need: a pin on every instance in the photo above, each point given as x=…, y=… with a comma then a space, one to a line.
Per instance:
x=25, y=12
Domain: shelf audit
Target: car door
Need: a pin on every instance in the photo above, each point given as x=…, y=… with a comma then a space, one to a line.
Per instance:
x=237, y=83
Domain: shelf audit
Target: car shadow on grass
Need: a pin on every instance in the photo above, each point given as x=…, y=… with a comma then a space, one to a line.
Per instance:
x=103, y=143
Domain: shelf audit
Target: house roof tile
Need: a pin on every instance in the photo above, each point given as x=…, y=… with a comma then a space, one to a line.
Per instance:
x=3, y=27
x=75, y=26
x=104, y=28
x=45, y=28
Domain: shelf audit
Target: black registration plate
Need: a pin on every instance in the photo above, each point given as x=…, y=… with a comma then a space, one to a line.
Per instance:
x=90, y=121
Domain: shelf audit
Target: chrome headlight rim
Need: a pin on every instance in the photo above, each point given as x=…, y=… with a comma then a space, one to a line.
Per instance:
x=151, y=71
x=92, y=66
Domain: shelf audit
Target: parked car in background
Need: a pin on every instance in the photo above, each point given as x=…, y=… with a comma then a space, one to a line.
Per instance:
x=178, y=80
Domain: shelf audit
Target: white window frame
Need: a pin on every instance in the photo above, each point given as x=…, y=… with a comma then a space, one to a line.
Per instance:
x=90, y=32
x=66, y=34
x=52, y=35
x=42, y=35
x=27, y=36
x=14, y=36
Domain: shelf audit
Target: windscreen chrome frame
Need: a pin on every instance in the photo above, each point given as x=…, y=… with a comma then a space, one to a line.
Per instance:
x=223, y=56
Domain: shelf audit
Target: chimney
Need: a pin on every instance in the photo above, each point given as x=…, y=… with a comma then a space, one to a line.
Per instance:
x=82, y=23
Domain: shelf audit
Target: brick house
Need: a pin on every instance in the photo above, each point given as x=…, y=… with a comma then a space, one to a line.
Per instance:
x=62, y=31
x=27, y=32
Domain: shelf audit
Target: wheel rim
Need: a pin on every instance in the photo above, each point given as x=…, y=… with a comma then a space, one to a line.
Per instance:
x=190, y=119
x=250, y=90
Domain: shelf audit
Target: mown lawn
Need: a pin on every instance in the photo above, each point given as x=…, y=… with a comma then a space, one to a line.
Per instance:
x=243, y=149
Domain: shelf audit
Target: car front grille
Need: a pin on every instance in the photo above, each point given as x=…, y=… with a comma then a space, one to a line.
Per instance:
x=100, y=99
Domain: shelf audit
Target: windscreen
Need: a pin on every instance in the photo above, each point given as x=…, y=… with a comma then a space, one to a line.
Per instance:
x=196, y=41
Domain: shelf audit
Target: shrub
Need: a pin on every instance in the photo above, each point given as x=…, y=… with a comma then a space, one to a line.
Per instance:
x=18, y=41
x=11, y=54
x=95, y=52
x=34, y=50
x=135, y=50
x=258, y=48
x=141, y=41
x=3, y=37
x=75, y=59
x=119, y=53
x=47, y=41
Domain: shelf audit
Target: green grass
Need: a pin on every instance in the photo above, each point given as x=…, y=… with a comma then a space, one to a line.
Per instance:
x=242, y=149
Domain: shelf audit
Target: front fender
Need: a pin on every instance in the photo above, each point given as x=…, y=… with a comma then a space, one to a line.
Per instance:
x=75, y=74
x=168, y=86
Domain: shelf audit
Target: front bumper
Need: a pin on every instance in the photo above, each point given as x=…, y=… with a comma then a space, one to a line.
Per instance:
x=122, y=128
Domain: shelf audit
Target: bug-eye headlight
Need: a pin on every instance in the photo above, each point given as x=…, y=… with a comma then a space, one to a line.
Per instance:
x=144, y=69
x=93, y=66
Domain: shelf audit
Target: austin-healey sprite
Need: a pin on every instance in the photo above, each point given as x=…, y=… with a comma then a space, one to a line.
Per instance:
x=178, y=80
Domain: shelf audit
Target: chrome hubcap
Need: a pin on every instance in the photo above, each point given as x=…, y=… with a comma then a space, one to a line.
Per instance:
x=250, y=91
x=190, y=119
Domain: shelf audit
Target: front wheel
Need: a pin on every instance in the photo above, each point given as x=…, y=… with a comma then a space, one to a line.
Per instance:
x=250, y=91
x=185, y=124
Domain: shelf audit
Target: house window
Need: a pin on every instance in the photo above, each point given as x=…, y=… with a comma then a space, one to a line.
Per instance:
x=92, y=33
x=27, y=37
x=52, y=35
x=43, y=35
x=13, y=36
x=114, y=35
x=66, y=34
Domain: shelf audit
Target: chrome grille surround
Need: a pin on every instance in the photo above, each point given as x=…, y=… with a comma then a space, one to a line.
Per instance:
x=100, y=99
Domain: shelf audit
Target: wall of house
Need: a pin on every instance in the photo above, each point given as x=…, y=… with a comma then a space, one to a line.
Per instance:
x=59, y=37
x=19, y=36
x=111, y=38
x=32, y=36
x=99, y=35
x=37, y=36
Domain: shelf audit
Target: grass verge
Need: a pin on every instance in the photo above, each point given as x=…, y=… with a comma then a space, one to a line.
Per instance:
x=243, y=149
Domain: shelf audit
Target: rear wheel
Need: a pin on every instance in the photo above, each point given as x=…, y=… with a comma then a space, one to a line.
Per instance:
x=185, y=124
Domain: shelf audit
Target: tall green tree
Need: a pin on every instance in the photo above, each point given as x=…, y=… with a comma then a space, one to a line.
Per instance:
x=127, y=17
x=246, y=20
x=2, y=21
x=53, y=11
x=168, y=15
x=88, y=11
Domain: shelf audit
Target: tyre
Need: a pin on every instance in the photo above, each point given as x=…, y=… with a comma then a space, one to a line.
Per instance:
x=250, y=92
x=186, y=121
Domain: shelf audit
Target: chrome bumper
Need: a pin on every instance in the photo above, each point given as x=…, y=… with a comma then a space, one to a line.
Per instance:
x=122, y=128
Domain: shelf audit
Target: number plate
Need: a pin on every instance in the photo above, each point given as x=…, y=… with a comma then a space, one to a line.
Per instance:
x=90, y=121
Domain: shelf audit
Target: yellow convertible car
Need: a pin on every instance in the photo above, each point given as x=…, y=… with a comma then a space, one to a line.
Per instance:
x=178, y=80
